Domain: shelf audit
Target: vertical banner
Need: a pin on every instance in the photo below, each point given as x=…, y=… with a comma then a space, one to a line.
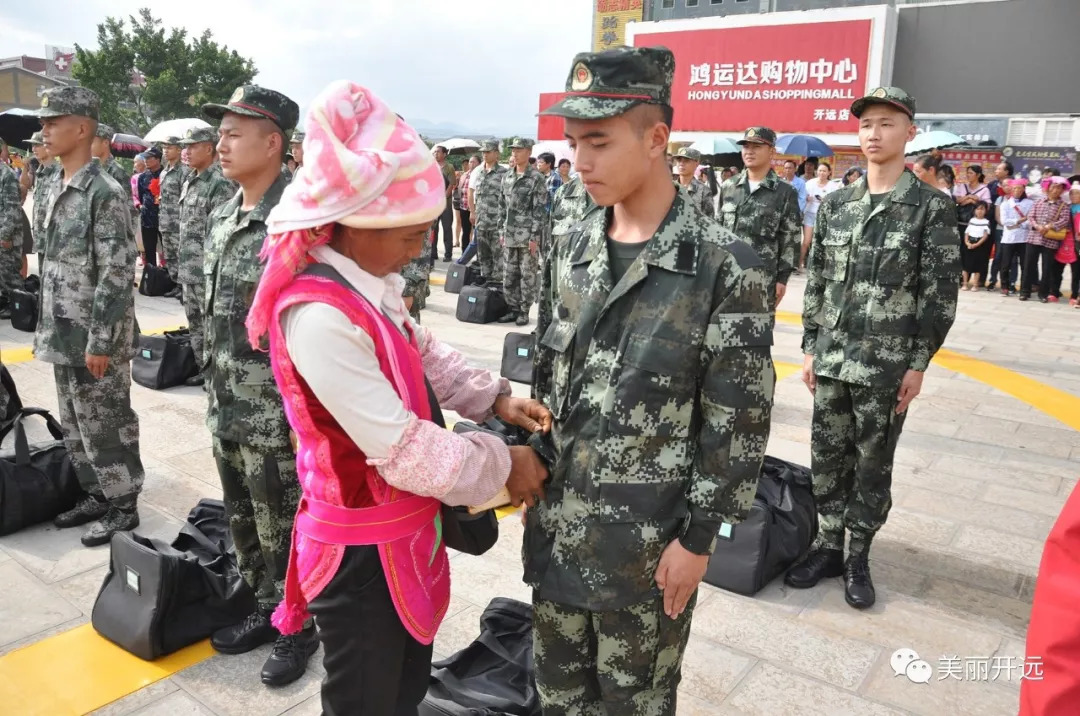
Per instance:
x=609, y=22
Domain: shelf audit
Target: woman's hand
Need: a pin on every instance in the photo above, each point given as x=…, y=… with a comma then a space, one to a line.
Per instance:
x=532, y=415
x=527, y=476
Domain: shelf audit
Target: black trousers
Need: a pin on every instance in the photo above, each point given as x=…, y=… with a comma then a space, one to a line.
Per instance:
x=466, y=229
x=1031, y=264
x=374, y=667
x=995, y=264
x=447, y=221
x=1012, y=261
x=150, y=238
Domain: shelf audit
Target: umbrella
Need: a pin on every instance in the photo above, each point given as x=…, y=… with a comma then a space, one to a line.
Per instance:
x=173, y=128
x=934, y=139
x=716, y=145
x=561, y=149
x=458, y=145
x=127, y=145
x=17, y=125
x=802, y=145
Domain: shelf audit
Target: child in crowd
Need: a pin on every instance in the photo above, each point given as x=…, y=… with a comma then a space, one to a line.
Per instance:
x=978, y=244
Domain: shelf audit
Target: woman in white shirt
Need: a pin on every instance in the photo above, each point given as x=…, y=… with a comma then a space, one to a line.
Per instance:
x=1012, y=217
x=816, y=189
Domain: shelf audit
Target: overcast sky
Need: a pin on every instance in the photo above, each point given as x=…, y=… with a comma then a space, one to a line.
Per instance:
x=477, y=63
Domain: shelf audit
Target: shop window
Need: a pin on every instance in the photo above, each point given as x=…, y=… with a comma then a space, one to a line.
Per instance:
x=716, y=2
x=1058, y=133
x=667, y=4
x=1023, y=132
x=691, y=3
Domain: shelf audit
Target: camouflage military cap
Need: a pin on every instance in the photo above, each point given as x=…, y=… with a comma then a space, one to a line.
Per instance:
x=297, y=137
x=104, y=131
x=489, y=145
x=758, y=135
x=62, y=101
x=607, y=84
x=171, y=142
x=521, y=143
x=36, y=138
x=199, y=134
x=259, y=102
x=893, y=96
x=688, y=153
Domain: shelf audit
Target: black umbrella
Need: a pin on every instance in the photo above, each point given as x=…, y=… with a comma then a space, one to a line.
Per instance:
x=18, y=125
x=127, y=145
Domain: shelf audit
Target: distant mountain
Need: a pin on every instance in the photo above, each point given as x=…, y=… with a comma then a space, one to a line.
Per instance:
x=445, y=130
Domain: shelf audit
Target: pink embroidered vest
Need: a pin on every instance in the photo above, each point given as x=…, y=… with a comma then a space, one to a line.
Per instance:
x=345, y=501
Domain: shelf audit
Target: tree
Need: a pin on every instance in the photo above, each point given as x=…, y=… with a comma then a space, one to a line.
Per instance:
x=148, y=74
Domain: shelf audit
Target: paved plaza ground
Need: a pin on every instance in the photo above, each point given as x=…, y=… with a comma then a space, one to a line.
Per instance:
x=982, y=471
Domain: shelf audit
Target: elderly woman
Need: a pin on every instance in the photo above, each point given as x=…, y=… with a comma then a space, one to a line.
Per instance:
x=1046, y=228
x=362, y=387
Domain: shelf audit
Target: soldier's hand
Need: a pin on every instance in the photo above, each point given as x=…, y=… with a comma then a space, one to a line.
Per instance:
x=781, y=291
x=808, y=376
x=678, y=575
x=910, y=388
x=527, y=475
x=523, y=412
x=97, y=365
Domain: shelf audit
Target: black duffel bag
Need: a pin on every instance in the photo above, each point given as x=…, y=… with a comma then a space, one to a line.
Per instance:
x=37, y=482
x=517, y=357
x=23, y=304
x=158, y=598
x=155, y=281
x=164, y=361
x=459, y=276
x=481, y=304
x=493, y=676
x=778, y=531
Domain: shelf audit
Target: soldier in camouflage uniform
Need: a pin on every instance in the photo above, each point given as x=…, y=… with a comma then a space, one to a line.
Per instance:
x=171, y=181
x=205, y=190
x=254, y=454
x=880, y=298
x=86, y=324
x=488, y=207
x=11, y=244
x=296, y=147
x=416, y=274
x=762, y=210
x=687, y=161
x=46, y=167
x=525, y=196
x=660, y=384
x=102, y=151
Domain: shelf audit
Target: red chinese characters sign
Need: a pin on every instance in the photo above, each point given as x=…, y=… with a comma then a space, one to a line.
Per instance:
x=793, y=78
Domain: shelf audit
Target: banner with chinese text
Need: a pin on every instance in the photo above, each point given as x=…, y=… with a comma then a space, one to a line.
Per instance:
x=794, y=78
x=609, y=22
x=1025, y=159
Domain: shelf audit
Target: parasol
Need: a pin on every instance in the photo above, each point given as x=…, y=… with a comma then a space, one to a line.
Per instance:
x=934, y=139
x=127, y=145
x=802, y=145
x=173, y=128
x=457, y=145
x=17, y=125
x=716, y=145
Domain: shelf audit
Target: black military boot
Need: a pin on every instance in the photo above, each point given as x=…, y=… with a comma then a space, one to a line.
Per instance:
x=508, y=317
x=195, y=380
x=115, y=520
x=522, y=319
x=288, y=660
x=858, y=587
x=87, y=509
x=249, y=634
x=819, y=564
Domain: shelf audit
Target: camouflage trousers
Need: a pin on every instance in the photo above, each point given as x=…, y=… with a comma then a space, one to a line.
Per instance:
x=417, y=275
x=624, y=662
x=261, y=491
x=101, y=431
x=854, y=433
x=170, y=246
x=194, y=294
x=490, y=249
x=521, y=274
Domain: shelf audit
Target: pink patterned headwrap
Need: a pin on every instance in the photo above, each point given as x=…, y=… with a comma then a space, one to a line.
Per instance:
x=363, y=167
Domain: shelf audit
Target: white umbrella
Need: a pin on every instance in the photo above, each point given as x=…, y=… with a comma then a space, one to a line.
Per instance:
x=560, y=148
x=457, y=145
x=934, y=139
x=173, y=128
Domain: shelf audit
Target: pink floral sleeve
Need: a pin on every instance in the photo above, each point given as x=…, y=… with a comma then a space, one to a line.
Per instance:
x=468, y=391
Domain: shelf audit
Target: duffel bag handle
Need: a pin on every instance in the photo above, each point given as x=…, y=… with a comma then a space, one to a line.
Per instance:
x=22, y=445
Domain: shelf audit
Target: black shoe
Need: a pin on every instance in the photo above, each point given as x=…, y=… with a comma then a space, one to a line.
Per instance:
x=115, y=520
x=1023, y=297
x=5, y=313
x=1044, y=300
x=288, y=660
x=858, y=587
x=195, y=380
x=818, y=565
x=249, y=634
x=172, y=293
x=508, y=317
x=87, y=509
x=447, y=259
x=522, y=319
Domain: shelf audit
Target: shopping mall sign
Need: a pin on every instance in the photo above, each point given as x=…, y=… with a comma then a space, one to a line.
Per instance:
x=793, y=74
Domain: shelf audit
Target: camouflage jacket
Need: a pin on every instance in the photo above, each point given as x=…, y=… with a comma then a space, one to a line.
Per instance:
x=200, y=196
x=245, y=406
x=873, y=310
x=417, y=273
x=171, y=182
x=699, y=194
x=525, y=197
x=11, y=230
x=490, y=213
x=113, y=169
x=661, y=387
x=88, y=270
x=769, y=219
x=41, y=202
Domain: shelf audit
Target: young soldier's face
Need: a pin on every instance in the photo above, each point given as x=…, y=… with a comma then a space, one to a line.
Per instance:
x=884, y=132
x=685, y=167
x=63, y=134
x=614, y=156
x=756, y=155
x=246, y=146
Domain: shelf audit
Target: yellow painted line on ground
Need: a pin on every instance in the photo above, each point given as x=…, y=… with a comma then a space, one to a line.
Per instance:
x=783, y=370
x=25, y=354
x=78, y=671
x=437, y=279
